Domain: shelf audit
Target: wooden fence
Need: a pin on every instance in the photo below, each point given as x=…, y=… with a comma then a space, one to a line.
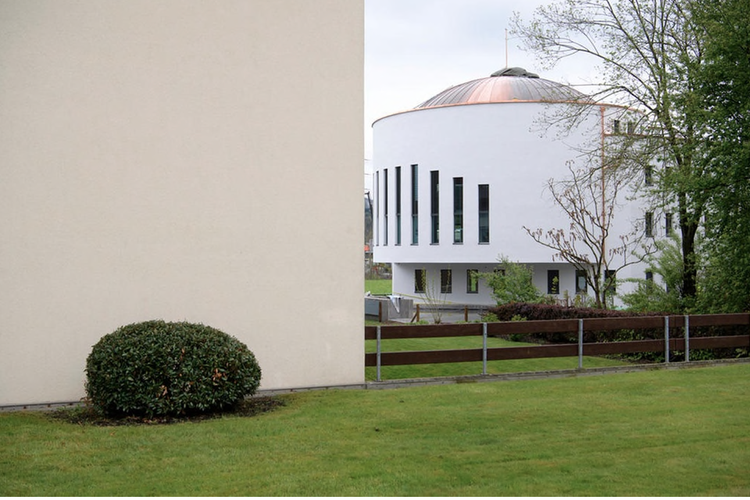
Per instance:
x=678, y=326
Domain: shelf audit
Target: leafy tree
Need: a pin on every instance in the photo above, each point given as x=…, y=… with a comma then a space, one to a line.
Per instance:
x=647, y=55
x=663, y=294
x=512, y=282
x=723, y=91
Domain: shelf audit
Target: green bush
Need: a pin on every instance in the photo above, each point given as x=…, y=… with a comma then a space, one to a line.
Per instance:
x=523, y=311
x=156, y=368
x=512, y=282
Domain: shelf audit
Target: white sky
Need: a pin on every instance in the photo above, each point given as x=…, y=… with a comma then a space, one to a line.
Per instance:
x=415, y=49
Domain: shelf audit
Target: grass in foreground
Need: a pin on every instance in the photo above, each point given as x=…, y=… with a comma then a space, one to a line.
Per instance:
x=473, y=368
x=657, y=433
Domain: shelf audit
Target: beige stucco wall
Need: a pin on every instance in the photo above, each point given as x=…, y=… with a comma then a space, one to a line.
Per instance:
x=184, y=160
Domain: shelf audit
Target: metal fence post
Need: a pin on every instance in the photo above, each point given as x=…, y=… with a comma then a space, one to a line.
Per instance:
x=378, y=354
x=687, y=338
x=580, y=343
x=484, y=348
x=666, y=339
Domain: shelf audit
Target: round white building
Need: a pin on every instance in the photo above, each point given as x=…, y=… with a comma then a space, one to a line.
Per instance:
x=457, y=179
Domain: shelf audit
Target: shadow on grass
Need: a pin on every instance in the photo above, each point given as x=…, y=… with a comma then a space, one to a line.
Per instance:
x=88, y=415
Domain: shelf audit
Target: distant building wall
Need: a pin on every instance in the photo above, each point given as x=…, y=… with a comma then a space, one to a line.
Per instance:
x=503, y=147
x=183, y=160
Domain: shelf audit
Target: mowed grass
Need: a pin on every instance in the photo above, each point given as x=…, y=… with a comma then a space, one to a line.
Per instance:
x=472, y=368
x=657, y=433
x=378, y=287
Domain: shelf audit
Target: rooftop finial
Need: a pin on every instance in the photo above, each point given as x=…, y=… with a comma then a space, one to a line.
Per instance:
x=514, y=72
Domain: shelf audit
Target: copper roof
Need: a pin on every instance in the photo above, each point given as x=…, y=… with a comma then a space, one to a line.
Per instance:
x=506, y=85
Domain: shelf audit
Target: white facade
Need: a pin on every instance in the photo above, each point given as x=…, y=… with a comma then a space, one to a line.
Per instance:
x=494, y=146
x=183, y=160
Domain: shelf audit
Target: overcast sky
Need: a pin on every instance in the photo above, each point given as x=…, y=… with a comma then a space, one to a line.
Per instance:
x=415, y=49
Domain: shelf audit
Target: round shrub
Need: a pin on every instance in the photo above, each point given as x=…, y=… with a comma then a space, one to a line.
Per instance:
x=155, y=368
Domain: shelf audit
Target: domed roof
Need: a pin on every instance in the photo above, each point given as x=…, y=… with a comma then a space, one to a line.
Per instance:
x=506, y=85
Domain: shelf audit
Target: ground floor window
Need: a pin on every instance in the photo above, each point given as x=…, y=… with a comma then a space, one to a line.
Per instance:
x=446, y=282
x=420, y=279
x=472, y=281
x=610, y=280
x=581, y=285
x=553, y=282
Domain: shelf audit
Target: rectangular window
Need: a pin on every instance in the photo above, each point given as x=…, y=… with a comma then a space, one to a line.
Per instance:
x=649, y=175
x=581, y=285
x=385, y=206
x=377, y=208
x=668, y=224
x=414, y=205
x=610, y=281
x=553, y=281
x=649, y=224
x=616, y=127
x=398, y=205
x=472, y=281
x=446, y=282
x=484, y=213
x=631, y=128
x=649, y=276
x=435, y=205
x=458, y=210
x=420, y=280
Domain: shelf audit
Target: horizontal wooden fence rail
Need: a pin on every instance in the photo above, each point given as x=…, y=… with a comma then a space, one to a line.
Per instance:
x=667, y=324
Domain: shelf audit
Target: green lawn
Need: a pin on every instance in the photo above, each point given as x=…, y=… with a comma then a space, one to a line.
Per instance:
x=473, y=368
x=378, y=287
x=655, y=433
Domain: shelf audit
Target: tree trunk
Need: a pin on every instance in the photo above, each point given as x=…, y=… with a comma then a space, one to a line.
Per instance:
x=689, y=268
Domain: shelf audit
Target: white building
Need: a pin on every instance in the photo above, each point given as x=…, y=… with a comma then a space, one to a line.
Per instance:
x=457, y=178
x=183, y=160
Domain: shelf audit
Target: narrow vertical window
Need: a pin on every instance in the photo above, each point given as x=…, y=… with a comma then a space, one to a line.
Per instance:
x=446, y=281
x=649, y=276
x=616, y=127
x=420, y=280
x=649, y=224
x=553, y=282
x=385, y=207
x=398, y=205
x=458, y=210
x=649, y=175
x=472, y=281
x=581, y=285
x=435, y=206
x=414, y=205
x=668, y=224
x=484, y=213
x=377, y=208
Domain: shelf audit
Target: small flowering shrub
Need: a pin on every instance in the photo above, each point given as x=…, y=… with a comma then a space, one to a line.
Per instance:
x=155, y=368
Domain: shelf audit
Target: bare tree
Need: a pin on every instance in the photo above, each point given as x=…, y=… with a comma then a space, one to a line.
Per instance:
x=434, y=295
x=589, y=198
